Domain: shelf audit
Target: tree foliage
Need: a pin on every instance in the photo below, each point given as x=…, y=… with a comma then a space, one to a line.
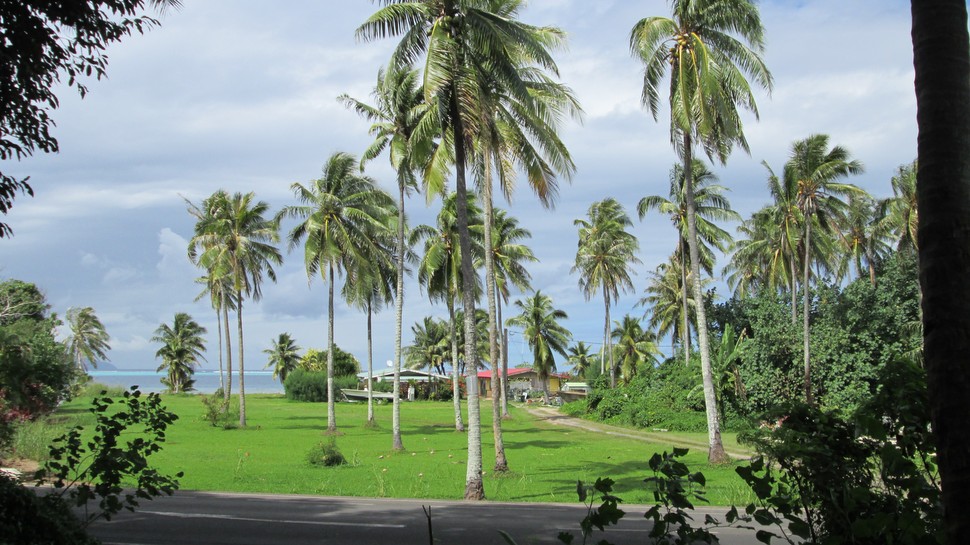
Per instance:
x=36, y=372
x=42, y=43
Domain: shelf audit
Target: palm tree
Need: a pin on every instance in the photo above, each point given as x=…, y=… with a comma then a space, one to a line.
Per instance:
x=283, y=356
x=468, y=43
x=864, y=239
x=580, y=358
x=338, y=213
x=88, y=340
x=509, y=256
x=766, y=254
x=711, y=205
x=899, y=212
x=220, y=297
x=430, y=346
x=815, y=170
x=237, y=241
x=440, y=271
x=663, y=300
x=539, y=321
x=182, y=349
x=399, y=108
x=709, y=46
x=369, y=287
x=942, y=62
x=524, y=136
x=218, y=286
x=603, y=259
x=633, y=346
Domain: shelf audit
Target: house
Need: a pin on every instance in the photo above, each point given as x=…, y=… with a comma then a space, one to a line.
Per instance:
x=387, y=375
x=521, y=379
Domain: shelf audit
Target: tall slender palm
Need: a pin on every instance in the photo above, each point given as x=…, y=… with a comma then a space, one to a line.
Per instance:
x=580, y=358
x=238, y=241
x=539, y=320
x=815, y=169
x=88, y=340
x=218, y=285
x=604, y=257
x=338, y=214
x=711, y=205
x=634, y=346
x=509, y=257
x=710, y=46
x=182, y=349
x=468, y=43
x=440, y=271
x=283, y=356
x=399, y=106
x=942, y=61
x=506, y=142
x=369, y=286
x=899, y=212
x=220, y=297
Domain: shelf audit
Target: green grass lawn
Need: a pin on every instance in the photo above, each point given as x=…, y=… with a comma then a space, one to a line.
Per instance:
x=270, y=454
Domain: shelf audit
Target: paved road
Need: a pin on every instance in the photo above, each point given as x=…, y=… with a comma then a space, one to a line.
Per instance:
x=190, y=518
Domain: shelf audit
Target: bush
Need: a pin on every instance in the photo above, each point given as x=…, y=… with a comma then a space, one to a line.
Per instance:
x=219, y=412
x=325, y=454
x=871, y=478
x=311, y=386
x=574, y=408
x=303, y=385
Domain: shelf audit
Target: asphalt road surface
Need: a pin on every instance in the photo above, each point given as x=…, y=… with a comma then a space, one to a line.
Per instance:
x=189, y=518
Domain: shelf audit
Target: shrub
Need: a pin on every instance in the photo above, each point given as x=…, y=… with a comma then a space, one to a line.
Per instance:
x=95, y=470
x=574, y=408
x=219, y=412
x=868, y=479
x=303, y=385
x=325, y=454
x=311, y=386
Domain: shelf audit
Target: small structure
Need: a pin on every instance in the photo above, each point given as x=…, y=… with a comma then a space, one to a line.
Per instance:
x=571, y=391
x=521, y=379
x=407, y=375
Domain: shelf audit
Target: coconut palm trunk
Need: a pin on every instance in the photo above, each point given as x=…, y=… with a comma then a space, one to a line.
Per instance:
x=397, y=441
x=794, y=289
x=685, y=334
x=228, y=391
x=805, y=306
x=715, y=452
x=453, y=336
x=331, y=402
x=474, y=487
x=607, y=345
x=222, y=375
x=242, y=367
x=504, y=357
x=501, y=463
x=942, y=63
x=370, y=368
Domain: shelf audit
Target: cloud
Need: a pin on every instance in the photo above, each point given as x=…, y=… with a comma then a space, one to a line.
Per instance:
x=248, y=104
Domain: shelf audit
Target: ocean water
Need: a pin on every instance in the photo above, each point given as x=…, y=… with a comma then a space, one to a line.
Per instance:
x=206, y=382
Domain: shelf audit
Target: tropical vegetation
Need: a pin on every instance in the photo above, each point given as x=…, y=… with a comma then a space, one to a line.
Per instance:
x=183, y=346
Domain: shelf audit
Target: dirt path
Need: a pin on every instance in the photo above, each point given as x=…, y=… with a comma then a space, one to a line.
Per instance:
x=553, y=416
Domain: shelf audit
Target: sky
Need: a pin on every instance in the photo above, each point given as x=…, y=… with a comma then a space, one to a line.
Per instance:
x=227, y=94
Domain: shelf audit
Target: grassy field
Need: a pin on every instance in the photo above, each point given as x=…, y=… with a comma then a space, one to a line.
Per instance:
x=270, y=454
